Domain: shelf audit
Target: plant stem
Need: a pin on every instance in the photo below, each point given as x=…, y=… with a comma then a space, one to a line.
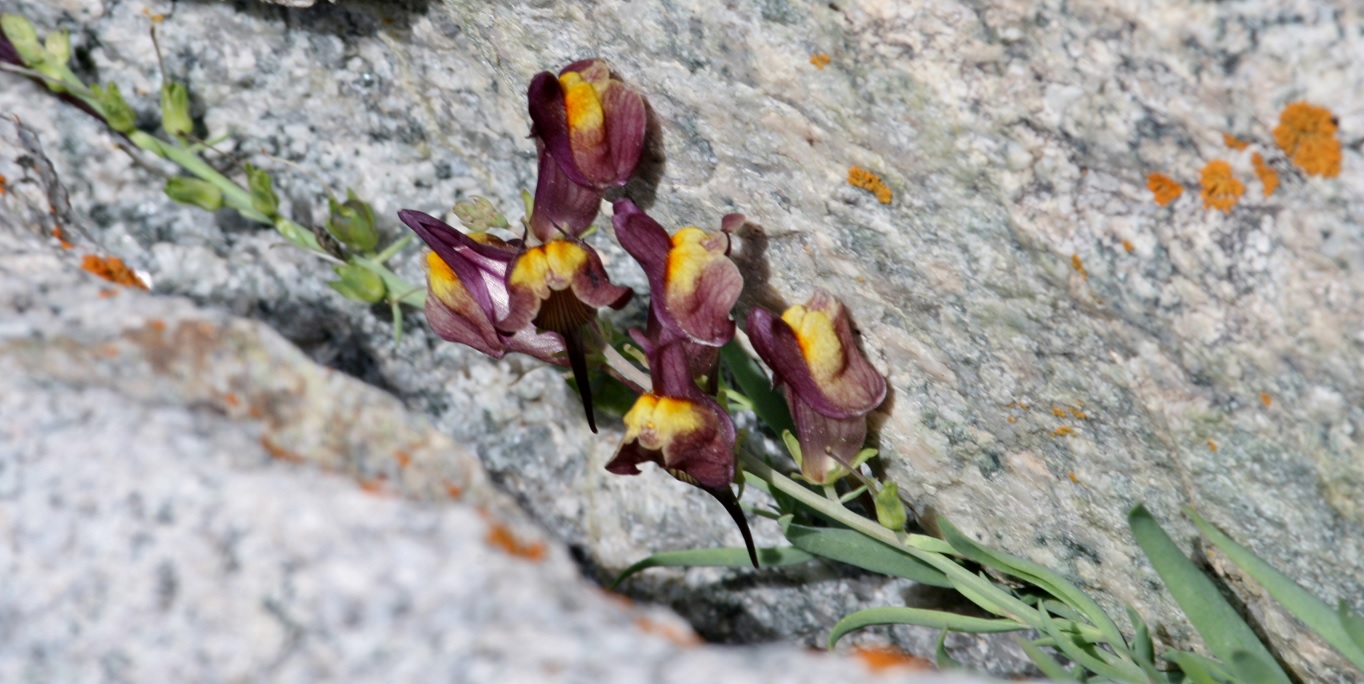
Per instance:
x=393, y=249
x=627, y=371
x=836, y=512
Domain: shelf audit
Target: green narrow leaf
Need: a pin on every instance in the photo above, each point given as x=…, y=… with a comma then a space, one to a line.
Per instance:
x=1084, y=654
x=1353, y=625
x=1038, y=575
x=1327, y=623
x=1061, y=610
x=728, y=557
x=769, y=406
x=1198, y=669
x=1216, y=621
x=920, y=617
x=853, y=548
x=1050, y=668
x=942, y=659
x=1250, y=669
x=1143, y=648
x=984, y=592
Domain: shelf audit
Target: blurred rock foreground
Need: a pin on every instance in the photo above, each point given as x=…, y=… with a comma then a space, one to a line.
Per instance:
x=1021, y=281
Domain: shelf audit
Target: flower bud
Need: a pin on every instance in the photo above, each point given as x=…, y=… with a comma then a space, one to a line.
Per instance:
x=175, y=109
x=263, y=197
x=193, y=191
x=890, y=510
x=117, y=113
x=58, y=47
x=352, y=223
x=358, y=283
x=479, y=215
x=24, y=39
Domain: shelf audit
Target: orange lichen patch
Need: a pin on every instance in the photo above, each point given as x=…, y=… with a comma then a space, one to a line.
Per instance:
x=820, y=60
x=1127, y=246
x=3, y=182
x=1012, y=419
x=1018, y=405
x=113, y=270
x=1233, y=142
x=1058, y=412
x=373, y=485
x=1079, y=266
x=500, y=536
x=107, y=293
x=878, y=658
x=403, y=458
x=106, y=351
x=1266, y=399
x=1063, y=431
x=1268, y=176
x=231, y=400
x=61, y=238
x=453, y=490
x=678, y=635
x=1221, y=190
x=155, y=18
x=1073, y=478
x=157, y=324
x=255, y=412
x=1164, y=188
x=1075, y=411
x=1307, y=134
x=1212, y=446
x=862, y=178
x=279, y=452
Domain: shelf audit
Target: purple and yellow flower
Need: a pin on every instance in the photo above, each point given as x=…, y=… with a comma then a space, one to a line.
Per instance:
x=589, y=129
x=692, y=281
x=829, y=384
x=684, y=431
x=557, y=287
x=467, y=291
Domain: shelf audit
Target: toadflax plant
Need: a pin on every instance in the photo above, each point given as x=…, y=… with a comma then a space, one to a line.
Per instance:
x=540, y=293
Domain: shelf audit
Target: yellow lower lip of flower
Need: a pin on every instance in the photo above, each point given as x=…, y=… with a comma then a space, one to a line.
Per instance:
x=819, y=343
x=656, y=421
x=687, y=259
x=582, y=103
x=549, y=267
x=445, y=285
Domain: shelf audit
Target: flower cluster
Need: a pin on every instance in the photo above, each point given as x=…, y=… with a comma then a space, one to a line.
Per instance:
x=539, y=295
x=541, y=298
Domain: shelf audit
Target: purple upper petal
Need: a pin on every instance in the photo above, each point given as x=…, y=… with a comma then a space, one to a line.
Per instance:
x=642, y=238
x=481, y=268
x=626, y=122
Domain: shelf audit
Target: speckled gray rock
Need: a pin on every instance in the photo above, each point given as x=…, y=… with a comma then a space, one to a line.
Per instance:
x=184, y=496
x=1016, y=137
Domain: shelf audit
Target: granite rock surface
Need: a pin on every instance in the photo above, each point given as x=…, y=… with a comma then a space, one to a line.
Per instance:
x=185, y=496
x=1060, y=347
